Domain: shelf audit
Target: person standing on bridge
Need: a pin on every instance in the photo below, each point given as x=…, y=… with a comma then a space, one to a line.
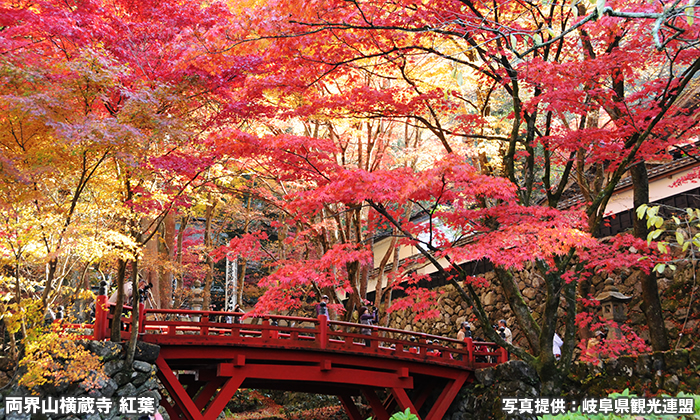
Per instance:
x=505, y=332
x=367, y=318
x=322, y=307
x=465, y=330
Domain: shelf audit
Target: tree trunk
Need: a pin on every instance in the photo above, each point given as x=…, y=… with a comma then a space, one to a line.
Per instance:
x=177, y=293
x=650, y=289
x=209, y=261
x=133, y=338
x=522, y=312
x=48, y=285
x=115, y=333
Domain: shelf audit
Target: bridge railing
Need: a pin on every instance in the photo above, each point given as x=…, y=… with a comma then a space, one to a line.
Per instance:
x=100, y=328
x=291, y=332
x=316, y=333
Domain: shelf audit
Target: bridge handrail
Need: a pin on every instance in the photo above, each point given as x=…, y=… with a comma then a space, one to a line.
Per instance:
x=312, y=333
x=322, y=334
x=345, y=324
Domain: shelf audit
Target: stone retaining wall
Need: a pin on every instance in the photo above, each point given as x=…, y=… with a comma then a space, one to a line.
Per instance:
x=645, y=375
x=138, y=380
x=674, y=288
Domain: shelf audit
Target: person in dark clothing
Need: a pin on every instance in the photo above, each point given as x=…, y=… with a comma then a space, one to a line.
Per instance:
x=322, y=307
x=367, y=318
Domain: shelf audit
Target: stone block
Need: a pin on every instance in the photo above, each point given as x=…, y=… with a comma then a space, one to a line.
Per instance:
x=694, y=357
x=138, y=378
x=146, y=352
x=127, y=390
x=671, y=383
x=517, y=370
x=106, y=350
x=113, y=366
x=141, y=366
x=150, y=385
x=676, y=359
x=485, y=376
x=121, y=378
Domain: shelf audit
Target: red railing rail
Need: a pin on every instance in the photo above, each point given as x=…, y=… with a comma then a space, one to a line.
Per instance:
x=224, y=328
x=190, y=326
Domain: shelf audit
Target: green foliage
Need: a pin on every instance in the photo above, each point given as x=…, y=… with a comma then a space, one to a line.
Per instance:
x=680, y=237
x=577, y=415
x=406, y=415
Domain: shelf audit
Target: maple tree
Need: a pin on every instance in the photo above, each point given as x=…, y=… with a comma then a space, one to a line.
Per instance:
x=344, y=120
x=105, y=104
x=586, y=94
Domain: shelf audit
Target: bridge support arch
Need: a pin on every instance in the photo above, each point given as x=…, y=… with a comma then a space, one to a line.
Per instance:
x=201, y=381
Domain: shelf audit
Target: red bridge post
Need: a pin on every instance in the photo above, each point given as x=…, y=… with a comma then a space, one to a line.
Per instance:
x=142, y=317
x=323, y=331
x=100, y=327
x=470, y=348
x=502, y=355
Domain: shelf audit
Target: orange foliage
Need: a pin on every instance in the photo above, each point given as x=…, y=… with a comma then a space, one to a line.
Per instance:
x=58, y=358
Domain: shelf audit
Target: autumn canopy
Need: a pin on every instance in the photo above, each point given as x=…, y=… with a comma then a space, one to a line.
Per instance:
x=153, y=140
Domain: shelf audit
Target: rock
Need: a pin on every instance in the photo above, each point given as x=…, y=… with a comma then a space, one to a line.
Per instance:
x=485, y=376
x=671, y=383
x=146, y=352
x=694, y=357
x=517, y=370
x=676, y=359
x=152, y=394
x=489, y=299
x=110, y=388
x=596, y=280
x=113, y=366
x=6, y=363
x=121, y=378
x=529, y=293
x=657, y=362
x=4, y=379
x=106, y=350
x=94, y=393
x=138, y=378
x=142, y=366
x=643, y=368
x=127, y=390
x=149, y=385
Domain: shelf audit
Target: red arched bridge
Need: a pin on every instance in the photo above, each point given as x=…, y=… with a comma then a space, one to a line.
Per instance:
x=204, y=361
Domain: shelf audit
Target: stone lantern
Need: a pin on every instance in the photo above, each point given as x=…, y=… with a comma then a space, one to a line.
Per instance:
x=197, y=299
x=613, y=303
